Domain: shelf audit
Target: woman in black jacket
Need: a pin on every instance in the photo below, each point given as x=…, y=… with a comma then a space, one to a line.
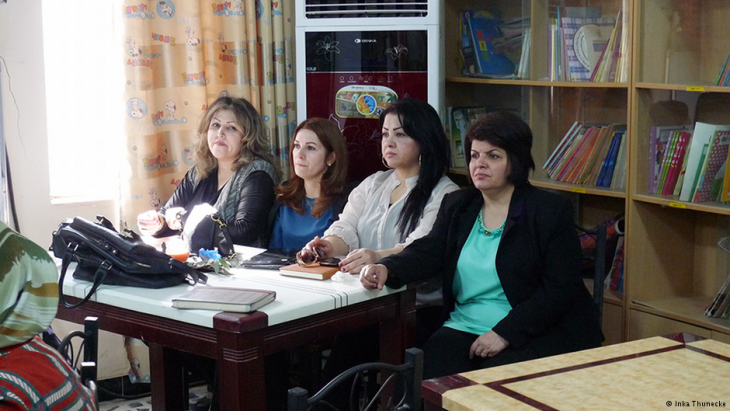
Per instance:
x=510, y=259
x=234, y=172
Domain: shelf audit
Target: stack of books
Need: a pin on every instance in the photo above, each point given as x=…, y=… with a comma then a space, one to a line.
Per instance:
x=690, y=162
x=585, y=46
x=593, y=155
x=491, y=48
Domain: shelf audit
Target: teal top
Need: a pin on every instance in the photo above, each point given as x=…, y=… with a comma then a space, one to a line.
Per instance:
x=292, y=231
x=481, y=304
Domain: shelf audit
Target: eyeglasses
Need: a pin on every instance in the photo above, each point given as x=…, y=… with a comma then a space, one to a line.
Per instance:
x=309, y=259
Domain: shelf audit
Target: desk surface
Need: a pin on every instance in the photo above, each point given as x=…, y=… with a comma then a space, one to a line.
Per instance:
x=651, y=374
x=295, y=297
x=305, y=311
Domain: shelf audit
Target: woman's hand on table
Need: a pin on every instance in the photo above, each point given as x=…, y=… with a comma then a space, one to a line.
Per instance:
x=373, y=276
x=173, y=217
x=319, y=247
x=488, y=344
x=357, y=259
x=149, y=222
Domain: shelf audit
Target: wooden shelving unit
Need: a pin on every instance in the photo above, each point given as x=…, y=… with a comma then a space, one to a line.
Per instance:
x=673, y=267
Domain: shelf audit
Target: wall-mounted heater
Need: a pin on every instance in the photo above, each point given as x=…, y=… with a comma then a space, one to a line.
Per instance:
x=353, y=58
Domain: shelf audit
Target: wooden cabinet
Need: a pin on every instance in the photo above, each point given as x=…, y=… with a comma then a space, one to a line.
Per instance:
x=550, y=107
x=674, y=266
x=676, y=49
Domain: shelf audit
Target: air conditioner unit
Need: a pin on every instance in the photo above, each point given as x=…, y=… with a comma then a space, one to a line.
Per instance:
x=353, y=58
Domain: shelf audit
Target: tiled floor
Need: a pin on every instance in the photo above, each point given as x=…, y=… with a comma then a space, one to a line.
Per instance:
x=145, y=404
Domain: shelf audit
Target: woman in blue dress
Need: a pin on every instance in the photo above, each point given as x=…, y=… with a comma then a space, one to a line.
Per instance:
x=315, y=195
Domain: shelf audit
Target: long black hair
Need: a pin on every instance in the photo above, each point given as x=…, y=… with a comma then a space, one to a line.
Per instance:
x=421, y=122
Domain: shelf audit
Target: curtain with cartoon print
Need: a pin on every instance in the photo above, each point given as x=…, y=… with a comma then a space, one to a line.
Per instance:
x=179, y=56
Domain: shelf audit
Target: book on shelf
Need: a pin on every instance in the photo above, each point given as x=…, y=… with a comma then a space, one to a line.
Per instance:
x=566, y=174
x=561, y=146
x=453, y=116
x=616, y=272
x=659, y=139
x=618, y=180
x=605, y=69
x=720, y=303
x=701, y=136
x=479, y=29
x=317, y=272
x=592, y=178
x=239, y=300
x=717, y=154
x=584, y=40
x=595, y=154
x=675, y=162
x=604, y=176
x=574, y=142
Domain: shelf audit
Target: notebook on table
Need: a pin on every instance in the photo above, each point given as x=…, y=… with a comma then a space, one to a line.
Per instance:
x=239, y=300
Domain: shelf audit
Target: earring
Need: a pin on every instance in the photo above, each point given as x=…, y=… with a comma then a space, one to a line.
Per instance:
x=384, y=162
x=329, y=164
x=419, y=159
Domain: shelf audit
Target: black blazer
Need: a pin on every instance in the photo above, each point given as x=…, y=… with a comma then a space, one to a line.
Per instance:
x=538, y=263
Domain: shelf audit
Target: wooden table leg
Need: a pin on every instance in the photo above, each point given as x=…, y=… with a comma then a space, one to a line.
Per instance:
x=241, y=379
x=167, y=382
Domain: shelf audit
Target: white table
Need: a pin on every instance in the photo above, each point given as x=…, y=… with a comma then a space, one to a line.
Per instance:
x=304, y=311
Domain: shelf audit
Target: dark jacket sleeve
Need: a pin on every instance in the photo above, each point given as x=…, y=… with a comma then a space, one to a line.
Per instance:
x=540, y=270
x=425, y=257
x=180, y=198
x=250, y=226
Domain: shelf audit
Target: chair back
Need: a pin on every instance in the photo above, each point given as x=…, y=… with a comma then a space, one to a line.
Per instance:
x=403, y=381
x=599, y=260
x=89, y=343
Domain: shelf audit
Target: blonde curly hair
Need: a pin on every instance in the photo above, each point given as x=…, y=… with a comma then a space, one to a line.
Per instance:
x=256, y=142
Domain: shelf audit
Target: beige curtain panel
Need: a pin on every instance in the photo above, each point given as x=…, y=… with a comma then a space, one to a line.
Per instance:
x=180, y=55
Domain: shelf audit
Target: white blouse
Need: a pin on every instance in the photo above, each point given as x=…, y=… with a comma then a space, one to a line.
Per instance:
x=369, y=221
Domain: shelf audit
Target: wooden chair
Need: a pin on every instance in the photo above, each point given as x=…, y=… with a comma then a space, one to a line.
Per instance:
x=403, y=380
x=87, y=368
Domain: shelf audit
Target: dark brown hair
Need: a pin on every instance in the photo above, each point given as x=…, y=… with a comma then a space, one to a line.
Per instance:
x=509, y=132
x=292, y=193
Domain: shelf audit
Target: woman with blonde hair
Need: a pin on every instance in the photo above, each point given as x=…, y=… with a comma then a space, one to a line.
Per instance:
x=234, y=172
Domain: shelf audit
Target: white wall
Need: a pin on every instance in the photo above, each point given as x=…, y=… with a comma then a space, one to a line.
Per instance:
x=21, y=45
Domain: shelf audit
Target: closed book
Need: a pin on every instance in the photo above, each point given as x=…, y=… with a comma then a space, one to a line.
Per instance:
x=237, y=300
x=716, y=156
x=701, y=137
x=318, y=272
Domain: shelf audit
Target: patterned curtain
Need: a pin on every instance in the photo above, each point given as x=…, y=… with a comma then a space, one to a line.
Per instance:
x=179, y=56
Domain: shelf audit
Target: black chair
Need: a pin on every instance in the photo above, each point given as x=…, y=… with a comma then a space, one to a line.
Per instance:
x=403, y=380
x=90, y=346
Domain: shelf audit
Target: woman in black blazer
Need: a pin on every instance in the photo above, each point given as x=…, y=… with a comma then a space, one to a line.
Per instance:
x=510, y=259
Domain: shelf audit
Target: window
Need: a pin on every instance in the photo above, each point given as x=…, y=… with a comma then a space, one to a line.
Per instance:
x=84, y=86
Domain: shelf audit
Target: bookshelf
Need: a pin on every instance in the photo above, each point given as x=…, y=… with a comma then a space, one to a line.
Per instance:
x=551, y=108
x=676, y=49
x=675, y=266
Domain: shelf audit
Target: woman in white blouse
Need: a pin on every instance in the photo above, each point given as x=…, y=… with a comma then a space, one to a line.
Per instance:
x=390, y=209
x=384, y=214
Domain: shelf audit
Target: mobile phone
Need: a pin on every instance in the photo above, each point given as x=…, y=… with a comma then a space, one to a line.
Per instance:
x=330, y=262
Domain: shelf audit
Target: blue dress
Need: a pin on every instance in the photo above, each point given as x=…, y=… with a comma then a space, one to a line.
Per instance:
x=292, y=231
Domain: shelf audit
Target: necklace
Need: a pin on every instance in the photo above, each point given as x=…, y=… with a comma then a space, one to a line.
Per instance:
x=483, y=229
